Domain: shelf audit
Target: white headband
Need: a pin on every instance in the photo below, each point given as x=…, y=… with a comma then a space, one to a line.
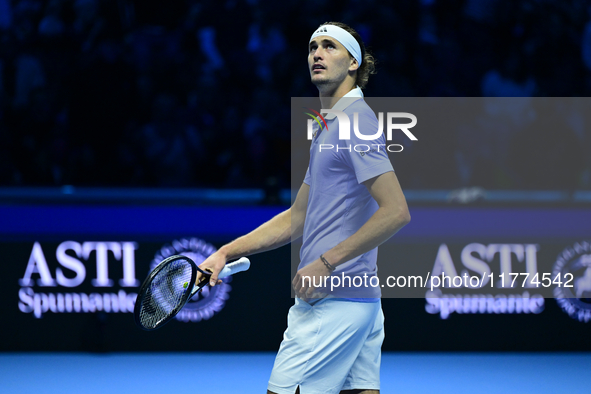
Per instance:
x=342, y=36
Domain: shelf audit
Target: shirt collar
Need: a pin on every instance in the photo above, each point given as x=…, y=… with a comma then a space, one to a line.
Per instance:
x=341, y=105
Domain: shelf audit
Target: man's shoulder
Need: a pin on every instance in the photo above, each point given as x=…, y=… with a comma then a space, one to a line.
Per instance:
x=361, y=107
x=365, y=115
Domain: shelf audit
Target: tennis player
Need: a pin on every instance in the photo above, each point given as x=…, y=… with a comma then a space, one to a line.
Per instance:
x=349, y=203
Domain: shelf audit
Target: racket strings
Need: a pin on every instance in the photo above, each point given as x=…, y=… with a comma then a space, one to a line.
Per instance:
x=165, y=294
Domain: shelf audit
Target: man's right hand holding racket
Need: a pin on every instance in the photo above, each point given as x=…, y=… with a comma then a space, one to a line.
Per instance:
x=214, y=264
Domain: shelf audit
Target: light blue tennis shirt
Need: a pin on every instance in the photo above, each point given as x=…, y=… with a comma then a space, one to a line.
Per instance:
x=338, y=203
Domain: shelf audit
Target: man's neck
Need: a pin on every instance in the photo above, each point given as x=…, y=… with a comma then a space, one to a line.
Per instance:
x=329, y=97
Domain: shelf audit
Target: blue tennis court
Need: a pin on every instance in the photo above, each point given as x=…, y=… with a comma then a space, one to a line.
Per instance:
x=245, y=373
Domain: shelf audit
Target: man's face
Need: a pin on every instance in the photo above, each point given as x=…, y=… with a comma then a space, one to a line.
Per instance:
x=329, y=61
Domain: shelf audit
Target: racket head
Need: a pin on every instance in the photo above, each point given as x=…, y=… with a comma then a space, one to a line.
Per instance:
x=163, y=294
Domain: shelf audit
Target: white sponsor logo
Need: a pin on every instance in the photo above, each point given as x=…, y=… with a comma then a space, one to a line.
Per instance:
x=514, y=260
x=72, y=258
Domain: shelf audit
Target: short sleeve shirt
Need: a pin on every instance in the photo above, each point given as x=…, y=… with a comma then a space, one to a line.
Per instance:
x=338, y=203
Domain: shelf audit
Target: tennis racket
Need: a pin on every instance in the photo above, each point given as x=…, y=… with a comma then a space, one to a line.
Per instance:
x=170, y=285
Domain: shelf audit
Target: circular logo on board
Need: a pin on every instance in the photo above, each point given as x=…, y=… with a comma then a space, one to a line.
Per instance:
x=573, y=268
x=208, y=301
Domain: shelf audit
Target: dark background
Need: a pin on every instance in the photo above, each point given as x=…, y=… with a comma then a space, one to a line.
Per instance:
x=196, y=93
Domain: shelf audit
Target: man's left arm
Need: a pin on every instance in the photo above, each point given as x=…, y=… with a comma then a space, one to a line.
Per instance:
x=390, y=217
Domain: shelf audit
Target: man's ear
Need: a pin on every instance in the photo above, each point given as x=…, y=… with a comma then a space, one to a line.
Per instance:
x=354, y=66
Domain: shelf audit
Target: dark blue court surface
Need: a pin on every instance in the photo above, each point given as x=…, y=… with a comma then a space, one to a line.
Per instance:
x=245, y=373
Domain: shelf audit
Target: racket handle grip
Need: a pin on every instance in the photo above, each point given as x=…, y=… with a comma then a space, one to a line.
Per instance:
x=237, y=266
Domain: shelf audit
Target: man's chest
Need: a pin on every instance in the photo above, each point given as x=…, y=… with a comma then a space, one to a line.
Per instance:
x=328, y=163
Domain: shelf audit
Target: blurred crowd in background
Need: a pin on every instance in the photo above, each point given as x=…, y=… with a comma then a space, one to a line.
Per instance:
x=190, y=93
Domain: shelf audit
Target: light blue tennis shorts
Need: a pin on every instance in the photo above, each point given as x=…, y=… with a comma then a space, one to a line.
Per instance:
x=331, y=346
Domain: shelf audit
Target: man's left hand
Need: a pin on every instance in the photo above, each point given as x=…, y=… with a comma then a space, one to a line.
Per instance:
x=304, y=280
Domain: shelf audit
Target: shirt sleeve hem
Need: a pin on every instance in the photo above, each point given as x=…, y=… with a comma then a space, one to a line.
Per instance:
x=372, y=172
